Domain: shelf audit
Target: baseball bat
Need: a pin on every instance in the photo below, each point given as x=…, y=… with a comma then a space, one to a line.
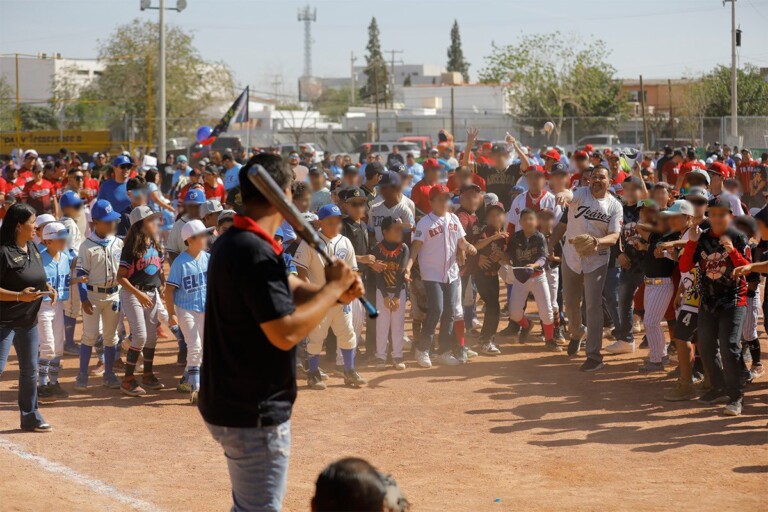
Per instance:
x=269, y=189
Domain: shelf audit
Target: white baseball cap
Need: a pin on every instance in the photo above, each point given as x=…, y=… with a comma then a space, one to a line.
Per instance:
x=55, y=231
x=193, y=228
x=30, y=153
x=44, y=219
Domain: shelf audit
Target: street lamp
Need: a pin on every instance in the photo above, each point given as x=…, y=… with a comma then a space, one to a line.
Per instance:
x=180, y=6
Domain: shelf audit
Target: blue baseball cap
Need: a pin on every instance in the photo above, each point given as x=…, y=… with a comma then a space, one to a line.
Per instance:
x=194, y=196
x=102, y=211
x=70, y=198
x=390, y=179
x=329, y=210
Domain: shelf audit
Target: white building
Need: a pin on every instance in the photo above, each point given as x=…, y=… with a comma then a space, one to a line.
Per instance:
x=37, y=75
x=420, y=74
x=467, y=99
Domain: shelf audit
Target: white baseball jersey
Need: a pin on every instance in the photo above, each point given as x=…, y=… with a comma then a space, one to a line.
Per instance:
x=440, y=237
x=380, y=211
x=545, y=201
x=597, y=217
x=308, y=259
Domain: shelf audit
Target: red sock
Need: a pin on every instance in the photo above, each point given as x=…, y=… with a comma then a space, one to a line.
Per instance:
x=549, y=331
x=458, y=331
x=524, y=322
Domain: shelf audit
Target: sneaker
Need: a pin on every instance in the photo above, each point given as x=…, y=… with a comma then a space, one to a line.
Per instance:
x=422, y=358
x=649, y=367
x=525, y=333
x=58, y=391
x=131, y=387
x=733, y=408
x=184, y=387
x=353, y=379
x=45, y=394
x=461, y=355
x=98, y=370
x=149, y=381
x=323, y=375
x=559, y=336
x=714, y=397
x=681, y=391
x=40, y=427
x=552, y=346
x=447, y=359
x=399, y=364
x=591, y=365
x=71, y=350
x=407, y=344
x=574, y=346
x=315, y=381
x=111, y=381
x=620, y=347
x=193, y=397
x=181, y=357
x=381, y=364
x=756, y=371
x=671, y=348
x=608, y=333
x=476, y=323
x=489, y=349
x=509, y=331
x=81, y=382
x=470, y=353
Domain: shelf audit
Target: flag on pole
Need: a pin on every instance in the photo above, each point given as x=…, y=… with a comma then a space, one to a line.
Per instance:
x=238, y=111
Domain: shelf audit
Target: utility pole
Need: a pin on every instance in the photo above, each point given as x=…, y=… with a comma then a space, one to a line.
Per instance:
x=642, y=106
x=307, y=15
x=734, y=88
x=376, y=93
x=276, y=83
x=352, y=60
x=453, y=119
x=392, y=75
x=671, y=114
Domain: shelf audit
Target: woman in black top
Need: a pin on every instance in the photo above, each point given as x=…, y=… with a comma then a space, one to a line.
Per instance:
x=22, y=282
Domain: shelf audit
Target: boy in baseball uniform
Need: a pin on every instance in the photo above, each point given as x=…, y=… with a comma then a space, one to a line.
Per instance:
x=71, y=204
x=311, y=268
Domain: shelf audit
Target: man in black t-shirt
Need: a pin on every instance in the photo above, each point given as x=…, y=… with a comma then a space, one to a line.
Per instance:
x=501, y=176
x=255, y=316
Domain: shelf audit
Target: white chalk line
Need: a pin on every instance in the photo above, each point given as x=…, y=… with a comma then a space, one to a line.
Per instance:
x=79, y=478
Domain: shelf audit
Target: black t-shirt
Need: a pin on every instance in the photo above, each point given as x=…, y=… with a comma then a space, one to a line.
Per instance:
x=144, y=271
x=125, y=223
x=166, y=178
x=20, y=270
x=500, y=182
x=357, y=234
x=524, y=250
x=629, y=231
x=245, y=380
x=659, y=267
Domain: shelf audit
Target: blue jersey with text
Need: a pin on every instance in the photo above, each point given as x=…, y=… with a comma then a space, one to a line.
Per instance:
x=58, y=273
x=190, y=277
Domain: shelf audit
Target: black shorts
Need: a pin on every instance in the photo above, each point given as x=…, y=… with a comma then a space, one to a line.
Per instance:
x=686, y=325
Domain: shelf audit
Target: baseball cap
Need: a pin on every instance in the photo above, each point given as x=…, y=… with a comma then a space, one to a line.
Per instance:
x=310, y=216
x=559, y=168
x=470, y=186
x=226, y=215
x=431, y=163
x=193, y=228
x=536, y=170
x=495, y=204
x=373, y=169
x=102, y=211
x=697, y=193
x=55, y=231
x=679, y=207
x=553, y=154
x=142, y=212
x=720, y=202
x=315, y=171
x=698, y=172
x=30, y=153
x=438, y=190
x=350, y=193
x=210, y=206
x=647, y=203
x=181, y=158
x=70, y=198
x=589, y=148
x=517, y=189
x=44, y=219
x=580, y=155
x=487, y=146
x=390, y=179
x=329, y=210
x=499, y=148
x=489, y=198
x=388, y=222
x=719, y=168
x=194, y=196
x=762, y=215
x=350, y=169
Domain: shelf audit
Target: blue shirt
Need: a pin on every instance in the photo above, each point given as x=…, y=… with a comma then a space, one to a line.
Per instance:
x=152, y=187
x=232, y=177
x=190, y=278
x=336, y=171
x=116, y=194
x=416, y=170
x=178, y=174
x=289, y=234
x=57, y=273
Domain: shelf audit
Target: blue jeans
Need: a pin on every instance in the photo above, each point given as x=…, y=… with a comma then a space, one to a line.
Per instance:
x=611, y=294
x=25, y=340
x=629, y=282
x=257, y=459
x=440, y=301
x=721, y=330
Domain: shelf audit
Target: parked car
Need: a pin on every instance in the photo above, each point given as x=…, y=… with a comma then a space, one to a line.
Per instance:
x=385, y=148
x=304, y=147
x=423, y=141
x=599, y=141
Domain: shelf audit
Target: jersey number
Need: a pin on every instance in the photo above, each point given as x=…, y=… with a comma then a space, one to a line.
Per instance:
x=686, y=319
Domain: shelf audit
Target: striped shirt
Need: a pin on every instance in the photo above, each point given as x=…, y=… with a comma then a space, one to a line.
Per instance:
x=190, y=278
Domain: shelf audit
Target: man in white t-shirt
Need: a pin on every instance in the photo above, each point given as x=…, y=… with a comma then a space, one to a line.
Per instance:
x=438, y=241
x=595, y=212
x=311, y=268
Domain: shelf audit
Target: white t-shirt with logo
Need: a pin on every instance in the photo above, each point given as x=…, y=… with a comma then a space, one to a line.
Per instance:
x=440, y=238
x=545, y=201
x=337, y=247
x=596, y=217
x=380, y=211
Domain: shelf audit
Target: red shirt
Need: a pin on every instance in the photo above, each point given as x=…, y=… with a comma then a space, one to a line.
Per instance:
x=91, y=187
x=3, y=189
x=670, y=172
x=744, y=173
x=619, y=181
x=216, y=192
x=26, y=174
x=186, y=188
x=39, y=195
x=420, y=196
x=476, y=179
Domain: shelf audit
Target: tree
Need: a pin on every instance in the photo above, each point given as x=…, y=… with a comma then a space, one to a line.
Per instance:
x=7, y=106
x=333, y=103
x=456, y=61
x=553, y=76
x=375, y=68
x=407, y=81
x=711, y=96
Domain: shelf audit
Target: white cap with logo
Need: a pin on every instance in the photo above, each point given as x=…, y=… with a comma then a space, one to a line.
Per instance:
x=193, y=228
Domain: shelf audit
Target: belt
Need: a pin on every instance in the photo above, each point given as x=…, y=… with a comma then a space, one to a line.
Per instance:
x=98, y=289
x=655, y=280
x=147, y=289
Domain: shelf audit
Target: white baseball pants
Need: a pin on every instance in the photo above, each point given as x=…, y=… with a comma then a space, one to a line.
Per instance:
x=191, y=324
x=553, y=278
x=103, y=321
x=339, y=318
x=540, y=288
x=656, y=301
x=390, y=320
x=358, y=316
x=50, y=330
x=751, y=317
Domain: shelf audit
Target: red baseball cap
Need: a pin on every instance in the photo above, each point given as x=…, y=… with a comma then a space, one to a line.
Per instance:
x=536, y=168
x=437, y=190
x=487, y=146
x=589, y=148
x=720, y=168
x=431, y=163
x=581, y=155
x=553, y=154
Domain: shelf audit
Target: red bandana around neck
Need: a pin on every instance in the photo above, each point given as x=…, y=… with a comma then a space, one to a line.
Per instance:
x=248, y=224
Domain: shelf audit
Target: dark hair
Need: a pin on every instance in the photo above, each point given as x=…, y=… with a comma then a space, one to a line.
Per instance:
x=527, y=211
x=135, y=183
x=299, y=188
x=137, y=242
x=18, y=213
x=151, y=176
x=349, y=484
x=602, y=168
x=663, y=184
x=277, y=170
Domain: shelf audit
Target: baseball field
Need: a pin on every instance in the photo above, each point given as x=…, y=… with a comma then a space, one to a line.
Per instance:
x=522, y=431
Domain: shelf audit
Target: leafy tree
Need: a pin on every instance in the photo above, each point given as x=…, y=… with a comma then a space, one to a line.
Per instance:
x=375, y=68
x=34, y=117
x=554, y=76
x=333, y=103
x=407, y=81
x=7, y=106
x=712, y=95
x=456, y=61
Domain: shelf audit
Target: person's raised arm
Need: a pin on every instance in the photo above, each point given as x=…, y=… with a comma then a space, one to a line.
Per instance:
x=524, y=164
x=472, y=134
x=556, y=236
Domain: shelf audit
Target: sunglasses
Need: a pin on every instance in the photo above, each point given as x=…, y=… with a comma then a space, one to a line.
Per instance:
x=79, y=178
x=125, y=166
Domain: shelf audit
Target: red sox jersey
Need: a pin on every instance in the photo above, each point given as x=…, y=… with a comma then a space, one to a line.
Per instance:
x=440, y=238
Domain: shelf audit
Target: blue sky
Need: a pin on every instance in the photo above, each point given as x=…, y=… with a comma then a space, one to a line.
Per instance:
x=260, y=39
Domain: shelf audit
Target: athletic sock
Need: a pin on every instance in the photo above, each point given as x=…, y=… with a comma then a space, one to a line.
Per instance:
x=130, y=361
x=469, y=315
x=549, y=331
x=53, y=371
x=314, y=363
x=109, y=359
x=176, y=330
x=193, y=377
x=458, y=331
x=69, y=330
x=43, y=366
x=85, y=357
x=149, y=356
x=349, y=358
x=524, y=323
x=754, y=350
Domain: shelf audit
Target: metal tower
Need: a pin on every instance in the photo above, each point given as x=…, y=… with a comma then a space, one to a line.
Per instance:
x=307, y=15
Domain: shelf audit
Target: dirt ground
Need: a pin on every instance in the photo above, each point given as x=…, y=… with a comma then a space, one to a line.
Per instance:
x=522, y=431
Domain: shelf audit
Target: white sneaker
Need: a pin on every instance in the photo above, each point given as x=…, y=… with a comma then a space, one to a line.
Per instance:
x=448, y=359
x=476, y=323
x=620, y=347
x=422, y=358
x=470, y=353
x=490, y=349
x=637, y=325
x=407, y=344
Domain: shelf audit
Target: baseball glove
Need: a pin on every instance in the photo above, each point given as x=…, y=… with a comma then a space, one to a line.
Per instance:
x=585, y=245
